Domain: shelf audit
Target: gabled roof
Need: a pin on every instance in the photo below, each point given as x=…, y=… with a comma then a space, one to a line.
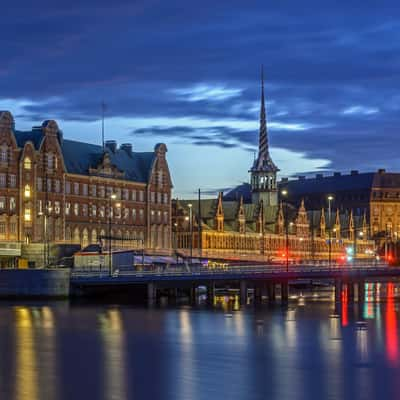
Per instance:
x=35, y=136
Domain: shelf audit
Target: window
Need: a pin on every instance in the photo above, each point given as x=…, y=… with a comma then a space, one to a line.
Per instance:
x=165, y=198
x=133, y=195
x=2, y=202
x=2, y=228
x=165, y=217
x=160, y=177
x=152, y=214
x=85, y=189
x=94, y=210
x=27, y=191
x=67, y=208
x=50, y=161
x=57, y=207
x=67, y=187
x=152, y=197
x=141, y=215
x=40, y=207
x=13, y=181
x=118, y=193
x=76, y=209
x=125, y=194
x=159, y=216
x=13, y=228
x=76, y=188
x=101, y=191
x=85, y=210
x=49, y=207
x=48, y=185
x=3, y=154
x=27, y=163
x=159, y=197
x=39, y=184
x=109, y=191
x=12, y=203
x=102, y=212
x=141, y=195
x=126, y=213
x=134, y=214
x=27, y=215
x=57, y=186
x=2, y=180
x=117, y=212
x=93, y=190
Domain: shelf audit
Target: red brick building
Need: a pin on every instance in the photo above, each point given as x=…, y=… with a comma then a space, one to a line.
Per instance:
x=63, y=191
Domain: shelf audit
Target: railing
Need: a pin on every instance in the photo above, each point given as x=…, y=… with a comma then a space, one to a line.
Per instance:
x=229, y=270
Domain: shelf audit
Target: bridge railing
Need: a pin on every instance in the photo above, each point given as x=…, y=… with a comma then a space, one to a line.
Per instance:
x=229, y=270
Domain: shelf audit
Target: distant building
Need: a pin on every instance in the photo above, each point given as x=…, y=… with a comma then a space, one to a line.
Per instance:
x=252, y=220
x=62, y=191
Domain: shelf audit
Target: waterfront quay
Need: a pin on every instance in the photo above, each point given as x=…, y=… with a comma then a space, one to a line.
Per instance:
x=262, y=281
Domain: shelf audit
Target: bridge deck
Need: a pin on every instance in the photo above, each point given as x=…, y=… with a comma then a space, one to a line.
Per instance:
x=251, y=273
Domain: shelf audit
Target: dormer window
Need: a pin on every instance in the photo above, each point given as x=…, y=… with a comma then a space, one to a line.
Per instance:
x=27, y=163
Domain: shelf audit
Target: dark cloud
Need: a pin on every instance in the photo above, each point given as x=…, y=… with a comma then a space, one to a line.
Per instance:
x=321, y=60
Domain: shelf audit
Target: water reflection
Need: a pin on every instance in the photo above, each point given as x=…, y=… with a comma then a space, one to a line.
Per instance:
x=113, y=350
x=391, y=326
x=26, y=367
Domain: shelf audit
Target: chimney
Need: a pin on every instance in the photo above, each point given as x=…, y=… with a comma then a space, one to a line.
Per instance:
x=337, y=174
x=354, y=172
x=127, y=147
x=111, y=145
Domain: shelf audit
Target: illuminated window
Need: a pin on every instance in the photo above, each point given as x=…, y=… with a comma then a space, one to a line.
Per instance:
x=27, y=215
x=67, y=208
x=50, y=161
x=134, y=214
x=57, y=207
x=94, y=210
x=76, y=209
x=102, y=212
x=2, y=203
x=27, y=163
x=27, y=191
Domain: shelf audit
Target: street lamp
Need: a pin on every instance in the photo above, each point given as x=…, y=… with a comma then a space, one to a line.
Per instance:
x=330, y=199
x=284, y=193
x=110, y=266
x=191, y=232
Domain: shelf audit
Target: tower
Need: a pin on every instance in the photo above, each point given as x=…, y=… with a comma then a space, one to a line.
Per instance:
x=263, y=172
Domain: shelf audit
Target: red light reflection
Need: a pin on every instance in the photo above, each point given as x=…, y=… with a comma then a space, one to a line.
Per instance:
x=392, y=350
x=345, y=300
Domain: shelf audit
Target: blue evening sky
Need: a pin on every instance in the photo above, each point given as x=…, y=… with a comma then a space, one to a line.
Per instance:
x=187, y=73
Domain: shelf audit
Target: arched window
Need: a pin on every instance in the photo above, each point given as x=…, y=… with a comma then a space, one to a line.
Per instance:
x=27, y=192
x=27, y=163
x=28, y=215
x=94, y=236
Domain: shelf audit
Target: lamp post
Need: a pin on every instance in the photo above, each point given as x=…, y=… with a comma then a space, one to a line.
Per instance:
x=284, y=194
x=191, y=232
x=110, y=266
x=330, y=199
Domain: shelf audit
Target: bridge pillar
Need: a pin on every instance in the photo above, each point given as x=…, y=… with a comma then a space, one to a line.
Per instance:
x=271, y=292
x=151, y=293
x=361, y=292
x=338, y=290
x=243, y=293
x=193, y=295
x=210, y=293
x=284, y=292
x=350, y=291
x=257, y=294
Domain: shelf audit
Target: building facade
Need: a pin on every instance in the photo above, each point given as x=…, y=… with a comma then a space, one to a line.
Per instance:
x=254, y=222
x=63, y=191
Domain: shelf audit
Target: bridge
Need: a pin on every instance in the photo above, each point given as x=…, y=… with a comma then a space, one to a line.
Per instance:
x=263, y=279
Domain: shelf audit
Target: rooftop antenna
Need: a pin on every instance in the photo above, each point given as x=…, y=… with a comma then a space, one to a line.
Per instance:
x=103, y=111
